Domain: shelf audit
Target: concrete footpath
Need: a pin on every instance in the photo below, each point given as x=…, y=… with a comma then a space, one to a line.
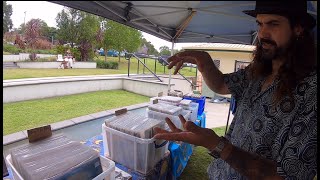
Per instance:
x=217, y=114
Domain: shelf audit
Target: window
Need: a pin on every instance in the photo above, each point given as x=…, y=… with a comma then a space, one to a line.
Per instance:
x=240, y=65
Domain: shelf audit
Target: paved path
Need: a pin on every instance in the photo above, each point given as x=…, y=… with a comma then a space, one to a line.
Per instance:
x=217, y=114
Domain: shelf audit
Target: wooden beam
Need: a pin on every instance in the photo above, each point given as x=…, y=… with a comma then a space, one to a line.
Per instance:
x=183, y=25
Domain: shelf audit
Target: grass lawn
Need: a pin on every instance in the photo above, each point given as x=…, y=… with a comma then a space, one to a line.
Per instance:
x=199, y=161
x=24, y=115
x=123, y=69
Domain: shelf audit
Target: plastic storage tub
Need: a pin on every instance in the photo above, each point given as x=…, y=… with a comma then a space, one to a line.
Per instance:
x=108, y=167
x=193, y=107
x=175, y=119
x=134, y=124
x=166, y=108
x=135, y=153
x=170, y=100
x=201, y=101
x=56, y=157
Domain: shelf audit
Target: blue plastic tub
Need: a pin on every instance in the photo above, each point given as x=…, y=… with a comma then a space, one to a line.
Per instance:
x=201, y=101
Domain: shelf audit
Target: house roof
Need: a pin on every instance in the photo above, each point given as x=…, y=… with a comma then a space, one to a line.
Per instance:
x=222, y=46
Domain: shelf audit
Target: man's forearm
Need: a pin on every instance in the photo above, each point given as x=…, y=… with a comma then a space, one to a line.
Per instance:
x=253, y=166
x=214, y=78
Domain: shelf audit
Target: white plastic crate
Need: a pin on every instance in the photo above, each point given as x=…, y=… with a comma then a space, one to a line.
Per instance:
x=193, y=107
x=108, y=167
x=175, y=119
x=170, y=100
x=134, y=124
x=135, y=153
x=166, y=108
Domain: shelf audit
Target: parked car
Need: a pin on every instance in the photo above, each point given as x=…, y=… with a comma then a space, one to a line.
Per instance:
x=162, y=59
x=111, y=52
x=141, y=55
x=189, y=65
x=153, y=56
x=122, y=54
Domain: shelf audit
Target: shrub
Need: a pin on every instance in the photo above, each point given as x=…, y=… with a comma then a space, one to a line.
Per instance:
x=107, y=65
x=49, y=51
x=113, y=65
x=60, y=49
x=76, y=53
x=9, y=36
x=33, y=56
x=11, y=49
x=42, y=44
x=47, y=59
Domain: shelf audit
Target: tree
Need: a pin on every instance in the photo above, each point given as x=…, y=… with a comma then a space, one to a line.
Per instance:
x=151, y=49
x=7, y=12
x=78, y=27
x=68, y=21
x=21, y=29
x=47, y=32
x=32, y=34
x=88, y=28
x=132, y=39
x=121, y=37
x=164, y=50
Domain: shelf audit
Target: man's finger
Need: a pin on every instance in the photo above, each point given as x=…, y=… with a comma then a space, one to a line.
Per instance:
x=171, y=125
x=159, y=130
x=180, y=136
x=173, y=62
x=183, y=121
x=178, y=66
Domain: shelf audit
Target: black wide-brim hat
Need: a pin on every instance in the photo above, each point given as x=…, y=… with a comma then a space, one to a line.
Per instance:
x=284, y=8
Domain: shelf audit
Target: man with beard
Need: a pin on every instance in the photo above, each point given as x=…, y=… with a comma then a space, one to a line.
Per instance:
x=273, y=133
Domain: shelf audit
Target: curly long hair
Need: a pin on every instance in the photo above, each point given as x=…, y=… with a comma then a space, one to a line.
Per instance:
x=300, y=61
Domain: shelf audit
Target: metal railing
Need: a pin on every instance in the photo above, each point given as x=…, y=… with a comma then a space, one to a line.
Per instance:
x=129, y=55
x=193, y=85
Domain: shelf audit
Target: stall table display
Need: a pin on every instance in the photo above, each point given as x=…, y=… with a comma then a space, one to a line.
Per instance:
x=170, y=166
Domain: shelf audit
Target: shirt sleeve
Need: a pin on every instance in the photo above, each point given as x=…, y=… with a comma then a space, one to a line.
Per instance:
x=298, y=155
x=237, y=82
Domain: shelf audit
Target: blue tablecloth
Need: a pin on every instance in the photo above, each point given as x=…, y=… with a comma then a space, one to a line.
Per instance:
x=180, y=152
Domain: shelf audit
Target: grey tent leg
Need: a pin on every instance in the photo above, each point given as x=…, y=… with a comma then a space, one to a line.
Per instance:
x=225, y=132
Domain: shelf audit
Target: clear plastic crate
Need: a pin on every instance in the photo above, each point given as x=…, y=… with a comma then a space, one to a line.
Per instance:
x=56, y=157
x=166, y=108
x=108, y=167
x=134, y=124
x=170, y=100
x=135, y=153
x=175, y=119
x=193, y=107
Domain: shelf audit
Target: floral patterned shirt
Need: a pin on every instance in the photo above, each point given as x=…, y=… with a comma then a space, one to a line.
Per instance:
x=285, y=133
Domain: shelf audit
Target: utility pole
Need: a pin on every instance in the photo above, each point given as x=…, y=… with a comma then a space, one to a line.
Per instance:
x=25, y=18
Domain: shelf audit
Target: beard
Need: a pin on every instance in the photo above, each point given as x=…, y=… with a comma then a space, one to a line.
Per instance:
x=268, y=51
x=273, y=52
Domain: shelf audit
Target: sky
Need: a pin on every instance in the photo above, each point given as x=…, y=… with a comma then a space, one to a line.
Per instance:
x=47, y=11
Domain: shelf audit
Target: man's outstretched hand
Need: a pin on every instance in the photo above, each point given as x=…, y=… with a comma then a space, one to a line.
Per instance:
x=200, y=58
x=191, y=134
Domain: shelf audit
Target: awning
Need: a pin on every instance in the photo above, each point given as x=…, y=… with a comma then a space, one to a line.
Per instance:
x=183, y=21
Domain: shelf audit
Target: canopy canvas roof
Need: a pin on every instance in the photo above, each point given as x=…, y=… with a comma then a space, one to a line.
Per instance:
x=183, y=21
